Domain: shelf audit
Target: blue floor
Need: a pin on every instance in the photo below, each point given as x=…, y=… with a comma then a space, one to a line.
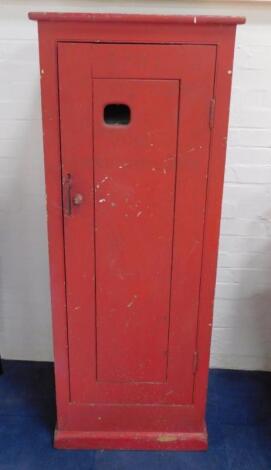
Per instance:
x=239, y=423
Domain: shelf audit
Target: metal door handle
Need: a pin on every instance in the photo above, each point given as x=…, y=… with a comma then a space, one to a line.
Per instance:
x=68, y=200
x=67, y=186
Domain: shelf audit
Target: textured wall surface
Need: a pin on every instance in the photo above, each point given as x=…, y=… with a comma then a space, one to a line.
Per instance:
x=242, y=323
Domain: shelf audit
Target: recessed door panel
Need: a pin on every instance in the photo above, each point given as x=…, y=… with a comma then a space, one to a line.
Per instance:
x=135, y=172
x=135, y=147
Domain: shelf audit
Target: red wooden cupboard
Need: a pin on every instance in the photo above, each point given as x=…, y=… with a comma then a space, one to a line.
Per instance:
x=135, y=114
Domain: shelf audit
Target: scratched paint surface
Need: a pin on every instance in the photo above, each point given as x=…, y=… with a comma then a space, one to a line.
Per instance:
x=135, y=169
x=132, y=296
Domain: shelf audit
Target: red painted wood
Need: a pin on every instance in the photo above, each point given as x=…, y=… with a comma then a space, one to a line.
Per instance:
x=148, y=213
x=100, y=406
x=135, y=170
x=108, y=17
x=128, y=440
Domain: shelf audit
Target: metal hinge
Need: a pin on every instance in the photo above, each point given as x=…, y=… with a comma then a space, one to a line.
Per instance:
x=195, y=362
x=212, y=113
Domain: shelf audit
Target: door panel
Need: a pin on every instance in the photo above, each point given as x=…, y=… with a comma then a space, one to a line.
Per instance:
x=135, y=190
x=133, y=247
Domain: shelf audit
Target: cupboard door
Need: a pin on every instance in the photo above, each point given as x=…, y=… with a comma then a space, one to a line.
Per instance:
x=134, y=122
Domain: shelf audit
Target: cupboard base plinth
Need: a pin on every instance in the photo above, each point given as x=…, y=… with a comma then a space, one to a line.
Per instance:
x=131, y=440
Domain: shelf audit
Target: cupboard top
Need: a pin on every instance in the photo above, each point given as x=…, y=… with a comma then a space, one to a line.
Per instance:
x=136, y=18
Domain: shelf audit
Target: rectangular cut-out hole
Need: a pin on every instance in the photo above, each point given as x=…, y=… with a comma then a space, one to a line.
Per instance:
x=117, y=114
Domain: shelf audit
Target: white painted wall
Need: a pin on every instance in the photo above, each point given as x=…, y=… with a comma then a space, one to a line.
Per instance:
x=242, y=325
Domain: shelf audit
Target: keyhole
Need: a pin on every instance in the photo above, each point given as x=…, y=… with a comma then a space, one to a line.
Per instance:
x=117, y=114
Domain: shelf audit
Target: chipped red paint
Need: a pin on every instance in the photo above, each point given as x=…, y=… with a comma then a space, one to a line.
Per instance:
x=133, y=255
x=136, y=18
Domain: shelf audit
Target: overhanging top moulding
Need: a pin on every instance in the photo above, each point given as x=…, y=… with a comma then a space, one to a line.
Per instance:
x=137, y=18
